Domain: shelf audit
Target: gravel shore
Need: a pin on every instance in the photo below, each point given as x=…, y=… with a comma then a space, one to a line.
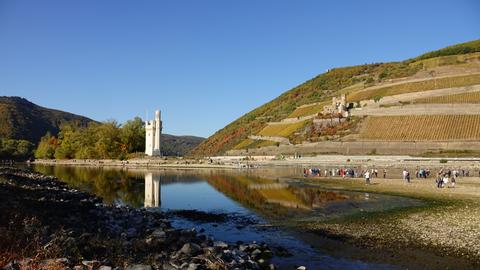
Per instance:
x=447, y=226
x=47, y=225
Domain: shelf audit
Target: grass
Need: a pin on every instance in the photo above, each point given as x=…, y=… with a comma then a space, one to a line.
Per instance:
x=452, y=153
x=411, y=87
x=450, y=60
x=472, y=97
x=282, y=130
x=458, y=49
x=243, y=144
x=249, y=144
x=422, y=128
x=308, y=110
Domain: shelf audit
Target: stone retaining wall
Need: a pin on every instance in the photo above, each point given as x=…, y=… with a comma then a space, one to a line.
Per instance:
x=361, y=148
x=270, y=138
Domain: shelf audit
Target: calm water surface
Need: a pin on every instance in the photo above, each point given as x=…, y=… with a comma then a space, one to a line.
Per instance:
x=254, y=200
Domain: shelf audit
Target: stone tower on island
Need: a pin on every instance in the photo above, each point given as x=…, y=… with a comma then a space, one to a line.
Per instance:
x=153, y=131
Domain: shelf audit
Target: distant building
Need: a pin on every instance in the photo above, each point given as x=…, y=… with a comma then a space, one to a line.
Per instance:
x=153, y=131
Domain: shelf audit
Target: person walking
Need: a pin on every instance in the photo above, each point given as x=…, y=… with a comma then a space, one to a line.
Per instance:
x=404, y=174
x=367, y=177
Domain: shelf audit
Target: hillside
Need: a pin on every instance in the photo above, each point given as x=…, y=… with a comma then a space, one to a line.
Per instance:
x=22, y=119
x=179, y=145
x=453, y=66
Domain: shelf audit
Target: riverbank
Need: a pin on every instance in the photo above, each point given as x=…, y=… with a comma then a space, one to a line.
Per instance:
x=241, y=162
x=47, y=225
x=443, y=234
x=142, y=163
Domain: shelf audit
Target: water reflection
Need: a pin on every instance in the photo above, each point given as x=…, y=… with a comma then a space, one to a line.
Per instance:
x=152, y=190
x=227, y=191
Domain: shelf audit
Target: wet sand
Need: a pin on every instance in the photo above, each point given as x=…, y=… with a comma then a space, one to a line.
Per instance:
x=443, y=234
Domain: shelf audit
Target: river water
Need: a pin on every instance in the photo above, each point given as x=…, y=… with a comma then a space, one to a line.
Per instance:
x=236, y=205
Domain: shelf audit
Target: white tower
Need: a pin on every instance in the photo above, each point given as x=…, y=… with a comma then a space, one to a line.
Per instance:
x=152, y=190
x=153, y=132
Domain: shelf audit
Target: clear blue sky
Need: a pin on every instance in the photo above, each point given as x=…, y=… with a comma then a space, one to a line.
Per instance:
x=205, y=63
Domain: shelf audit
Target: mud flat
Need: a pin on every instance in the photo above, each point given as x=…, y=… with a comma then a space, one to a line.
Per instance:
x=442, y=234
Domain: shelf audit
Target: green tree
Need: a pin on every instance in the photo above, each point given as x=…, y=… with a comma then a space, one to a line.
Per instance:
x=108, y=144
x=69, y=137
x=133, y=135
x=46, y=147
x=16, y=149
x=86, y=142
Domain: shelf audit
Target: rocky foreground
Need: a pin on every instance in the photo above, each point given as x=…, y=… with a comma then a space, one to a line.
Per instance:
x=45, y=224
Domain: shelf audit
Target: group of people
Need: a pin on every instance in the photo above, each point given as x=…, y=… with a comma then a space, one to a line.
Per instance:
x=342, y=172
x=445, y=177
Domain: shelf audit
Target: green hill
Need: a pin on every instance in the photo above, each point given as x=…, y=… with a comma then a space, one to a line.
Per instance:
x=179, y=145
x=323, y=87
x=22, y=119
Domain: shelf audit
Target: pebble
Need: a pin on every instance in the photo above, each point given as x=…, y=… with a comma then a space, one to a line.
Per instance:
x=139, y=267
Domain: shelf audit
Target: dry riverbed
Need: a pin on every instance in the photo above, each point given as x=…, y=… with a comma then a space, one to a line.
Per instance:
x=442, y=234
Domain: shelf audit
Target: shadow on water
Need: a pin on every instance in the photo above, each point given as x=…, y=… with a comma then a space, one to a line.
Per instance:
x=235, y=205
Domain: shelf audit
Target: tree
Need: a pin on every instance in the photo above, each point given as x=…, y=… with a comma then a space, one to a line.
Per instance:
x=108, y=145
x=15, y=149
x=104, y=141
x=133, y=135
x=47, y=146
x=24, y=149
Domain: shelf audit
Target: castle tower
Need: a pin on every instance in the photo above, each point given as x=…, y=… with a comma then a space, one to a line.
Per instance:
x=153, y=132
x=343, y=98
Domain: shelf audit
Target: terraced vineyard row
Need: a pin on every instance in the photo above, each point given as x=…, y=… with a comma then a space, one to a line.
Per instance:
x=282, y=130
x=422, y=128
x=473, y=97
x=411, y=87
x=248, y=144
x=308, y=110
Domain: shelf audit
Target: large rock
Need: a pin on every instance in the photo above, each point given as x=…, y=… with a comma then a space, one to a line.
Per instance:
x=190, y=249
x=138, y=267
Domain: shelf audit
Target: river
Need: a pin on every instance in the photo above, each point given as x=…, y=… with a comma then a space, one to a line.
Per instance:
x=265, y=205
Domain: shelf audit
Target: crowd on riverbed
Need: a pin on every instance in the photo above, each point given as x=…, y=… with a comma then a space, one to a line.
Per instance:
x=342, y=172
x=443, y=177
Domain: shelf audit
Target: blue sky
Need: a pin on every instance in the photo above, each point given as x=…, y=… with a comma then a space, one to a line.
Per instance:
x=205, y=63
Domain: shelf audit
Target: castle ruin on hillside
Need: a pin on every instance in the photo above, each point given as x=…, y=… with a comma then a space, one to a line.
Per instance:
x=153, y=131
x=339, y=106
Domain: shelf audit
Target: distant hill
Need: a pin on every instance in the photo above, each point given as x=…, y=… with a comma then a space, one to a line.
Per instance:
x=179, y=145
x=22, y=119
x=359, y=83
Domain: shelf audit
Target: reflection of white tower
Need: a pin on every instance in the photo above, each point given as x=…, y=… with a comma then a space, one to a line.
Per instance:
x=152, y=190
x=153, y=132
